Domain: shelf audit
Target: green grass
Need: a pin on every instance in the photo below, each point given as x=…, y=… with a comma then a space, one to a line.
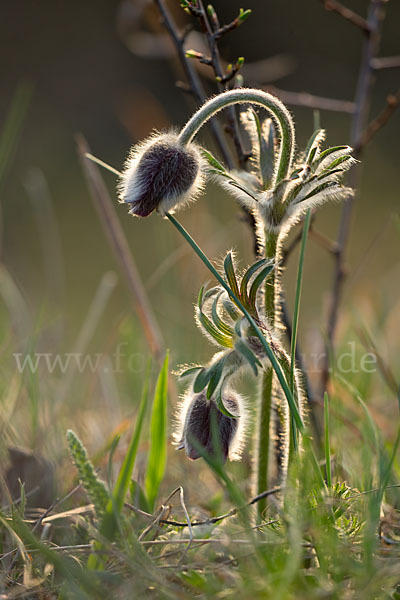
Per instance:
x=338, y=540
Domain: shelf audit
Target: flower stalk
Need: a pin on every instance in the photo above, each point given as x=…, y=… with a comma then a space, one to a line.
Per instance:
x=264, y=425
x=248, y=96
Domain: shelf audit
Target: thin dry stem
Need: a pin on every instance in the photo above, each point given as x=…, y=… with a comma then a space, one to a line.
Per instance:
x=119, y=244
x=347, y=14
x=210, y=521
x=364, y=87
x=195, y=86
x=312, y=101
x=392, y=103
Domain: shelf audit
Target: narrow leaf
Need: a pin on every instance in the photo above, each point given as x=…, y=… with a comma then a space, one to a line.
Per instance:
x=230, y=309
x=202, y=380
x=329, y=151
x=217, y=370
x=220, y=337
x=240, y=187
x=158, y=437
x=313, y=144
x=221, y=406
x=219, y=323
x=338, y=161
x=230, y=274
x=249, y=355
x=266, y=165
x=247, y=276
x=327, y=443
x=212, y=161
x=189, y=371
x=256, y=284
x=210, y=328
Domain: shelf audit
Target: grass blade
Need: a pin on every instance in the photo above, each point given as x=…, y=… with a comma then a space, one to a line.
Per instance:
x=158, y=437
x=13, y=125
x=114, y=507
x=298, y=297
x=297, y=310
x=327, y=443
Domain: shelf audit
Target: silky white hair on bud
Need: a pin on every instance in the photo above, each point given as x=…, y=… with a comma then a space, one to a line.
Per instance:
x=161, y=174
x=193, y=420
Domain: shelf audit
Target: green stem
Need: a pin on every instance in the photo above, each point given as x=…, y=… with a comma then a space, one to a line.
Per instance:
x=298, y=297
x=271, y=356
x=265, y=407
x=295, y=326
x=247, y=95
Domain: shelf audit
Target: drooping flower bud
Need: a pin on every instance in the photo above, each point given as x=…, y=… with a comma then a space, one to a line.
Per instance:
x=204, y=426
x=159, y=174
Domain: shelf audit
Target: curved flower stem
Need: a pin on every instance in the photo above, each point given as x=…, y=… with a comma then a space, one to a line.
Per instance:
x=248, y=96
x=268, y=350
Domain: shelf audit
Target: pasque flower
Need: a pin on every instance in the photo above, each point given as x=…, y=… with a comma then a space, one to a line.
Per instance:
x=160, y=174
x=242, y=316
x=202, y=426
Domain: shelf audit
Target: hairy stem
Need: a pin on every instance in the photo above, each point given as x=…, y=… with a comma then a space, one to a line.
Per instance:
x=240, y=96
x=265, y=403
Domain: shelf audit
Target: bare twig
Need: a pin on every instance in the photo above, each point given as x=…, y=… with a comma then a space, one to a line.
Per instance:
x=386, y=62
x=364, y=86
x=319, y=238
x=392, y=103
x=165, y=510
x=215, y=63
x=323, y=241
x=156, y=521
x=367, y=253
x=347, y=14
x=212, y=31
x=195, y=85
x=119, y=244
x=210, y=521
x=311, y=101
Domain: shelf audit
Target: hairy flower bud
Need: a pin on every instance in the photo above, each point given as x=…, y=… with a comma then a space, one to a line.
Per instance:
x=159, y=174
x=197, y=420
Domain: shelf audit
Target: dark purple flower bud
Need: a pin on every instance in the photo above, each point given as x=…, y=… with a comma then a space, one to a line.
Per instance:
x=159, y=174
x=198, y=422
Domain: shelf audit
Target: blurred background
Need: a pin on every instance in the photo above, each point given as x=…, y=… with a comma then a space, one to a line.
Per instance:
x=108, y=70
